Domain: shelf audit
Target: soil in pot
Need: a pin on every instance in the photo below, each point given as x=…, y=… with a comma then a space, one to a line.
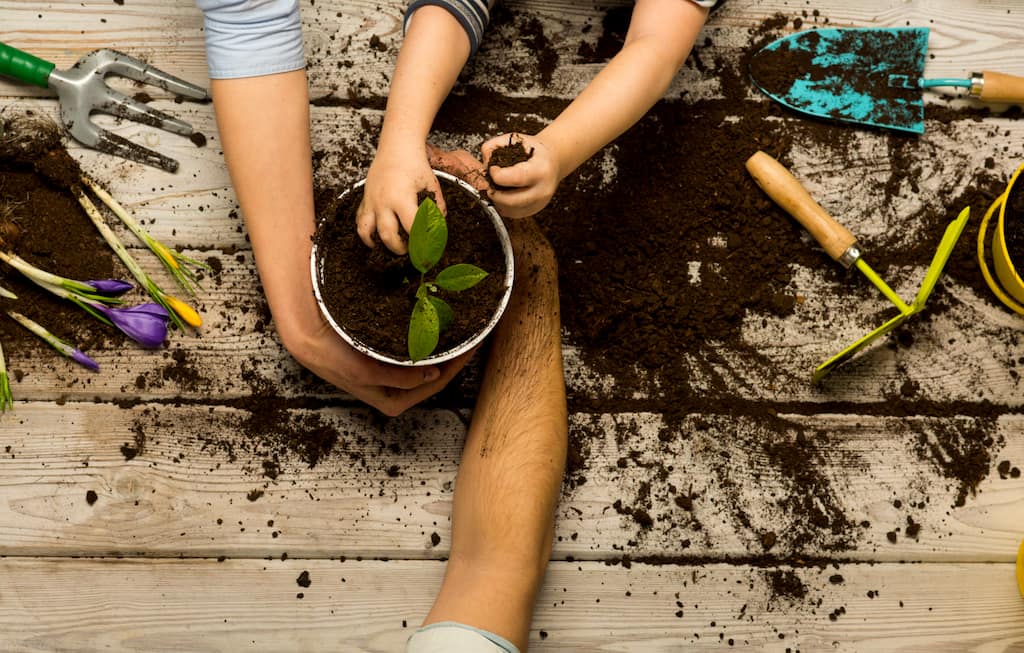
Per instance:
x=1012, y=220
x=370, y=292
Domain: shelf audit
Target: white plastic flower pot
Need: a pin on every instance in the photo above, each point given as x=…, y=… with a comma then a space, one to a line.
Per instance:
x=316, y=268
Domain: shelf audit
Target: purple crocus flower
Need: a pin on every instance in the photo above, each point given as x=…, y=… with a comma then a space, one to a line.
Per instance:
x=81, y=358
x=110, y=287
x=146, y=324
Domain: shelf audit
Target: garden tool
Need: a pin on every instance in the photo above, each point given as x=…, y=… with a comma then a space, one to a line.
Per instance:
x=82, y=91
x=869, y=76
x=780, y=184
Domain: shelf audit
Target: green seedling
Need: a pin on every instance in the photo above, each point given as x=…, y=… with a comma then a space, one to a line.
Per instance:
x=431, y=315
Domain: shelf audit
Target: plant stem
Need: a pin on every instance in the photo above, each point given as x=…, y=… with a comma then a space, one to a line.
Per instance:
x=6, y=398
x=62, y=347
x=158, y=295
x=170, y=258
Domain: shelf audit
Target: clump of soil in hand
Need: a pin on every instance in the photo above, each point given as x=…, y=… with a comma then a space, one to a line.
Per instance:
x=507, y=156
x=370, y=293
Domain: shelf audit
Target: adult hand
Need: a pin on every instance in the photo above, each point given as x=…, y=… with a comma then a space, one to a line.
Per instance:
x=396, y=177
x=529, y=184
x=391, y=389
x=460, y=163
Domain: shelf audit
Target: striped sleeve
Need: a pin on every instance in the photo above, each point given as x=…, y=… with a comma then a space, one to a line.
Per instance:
x=471, y=14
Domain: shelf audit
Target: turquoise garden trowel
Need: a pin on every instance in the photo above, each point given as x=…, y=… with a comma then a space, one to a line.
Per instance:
x=842, y=246
x=868, y=76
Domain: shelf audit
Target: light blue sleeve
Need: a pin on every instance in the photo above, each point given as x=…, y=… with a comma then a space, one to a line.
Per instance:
x=248, y=38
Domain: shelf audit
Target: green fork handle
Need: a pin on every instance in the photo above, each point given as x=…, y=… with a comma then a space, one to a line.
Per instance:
x=24, y=66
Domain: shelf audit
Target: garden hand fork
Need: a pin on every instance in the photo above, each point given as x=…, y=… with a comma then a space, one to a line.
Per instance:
x=82, y=91
x=780, y=184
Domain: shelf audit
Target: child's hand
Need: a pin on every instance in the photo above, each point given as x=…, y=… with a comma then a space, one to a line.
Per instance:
x=532, y=183
x=389, y=196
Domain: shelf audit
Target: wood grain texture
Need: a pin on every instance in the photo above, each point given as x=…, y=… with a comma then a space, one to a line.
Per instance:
x=386, y=486
x=253, y=605
x=697, y=492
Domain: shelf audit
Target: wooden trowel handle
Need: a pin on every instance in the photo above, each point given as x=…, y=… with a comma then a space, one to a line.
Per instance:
x=780, y=184
x=998, y=87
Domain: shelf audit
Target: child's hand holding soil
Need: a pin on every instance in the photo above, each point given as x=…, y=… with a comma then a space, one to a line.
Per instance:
x=523, y=172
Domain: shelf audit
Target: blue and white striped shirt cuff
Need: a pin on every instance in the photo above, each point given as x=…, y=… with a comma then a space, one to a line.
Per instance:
x=473, y=15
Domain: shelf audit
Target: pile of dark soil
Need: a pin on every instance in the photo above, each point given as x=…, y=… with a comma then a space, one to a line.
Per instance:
x=373, y=301
x=41, y=221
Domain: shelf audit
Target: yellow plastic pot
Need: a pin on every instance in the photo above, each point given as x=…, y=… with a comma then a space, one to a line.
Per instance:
x=1005, y=270
x=1006, y=284
x=1020, y=569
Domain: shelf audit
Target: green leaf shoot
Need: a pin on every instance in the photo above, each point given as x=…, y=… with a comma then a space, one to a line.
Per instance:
x=458, y=277
x=445, y=314
x=428, y=236
x=431, y=315
x=424, y=329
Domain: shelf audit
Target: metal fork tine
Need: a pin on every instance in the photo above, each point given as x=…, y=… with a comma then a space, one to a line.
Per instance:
x=113, y=144
x=132, y=68
x=121, y=105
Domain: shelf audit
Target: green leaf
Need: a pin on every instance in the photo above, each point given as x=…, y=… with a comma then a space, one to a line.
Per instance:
x=428, y=237
x=460, y=277
x=424, y=329
x=445, y=314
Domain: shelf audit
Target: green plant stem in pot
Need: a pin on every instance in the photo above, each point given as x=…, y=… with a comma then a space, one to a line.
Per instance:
x=431, y=315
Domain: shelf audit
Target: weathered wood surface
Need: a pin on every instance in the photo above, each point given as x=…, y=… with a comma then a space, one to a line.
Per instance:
x=196, y=210
x=252, y=605
x=876, y=462
x=182, y=494
x=966, y=36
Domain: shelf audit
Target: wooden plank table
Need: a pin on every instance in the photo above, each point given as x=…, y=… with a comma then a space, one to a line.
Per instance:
x=193, y=543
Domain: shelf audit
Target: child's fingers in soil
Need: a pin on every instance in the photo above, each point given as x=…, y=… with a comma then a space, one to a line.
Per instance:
x=366, y=224
x=500, y=141
x=383, y=224
x=390, y=232
x=434, y=187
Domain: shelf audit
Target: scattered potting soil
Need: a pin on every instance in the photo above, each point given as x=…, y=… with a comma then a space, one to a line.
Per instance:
x=680, y=194
x=796, y=74
x=370, y=292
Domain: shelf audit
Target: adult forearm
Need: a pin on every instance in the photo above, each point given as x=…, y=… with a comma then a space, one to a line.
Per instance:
x=269, y=158
x=514, y=457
